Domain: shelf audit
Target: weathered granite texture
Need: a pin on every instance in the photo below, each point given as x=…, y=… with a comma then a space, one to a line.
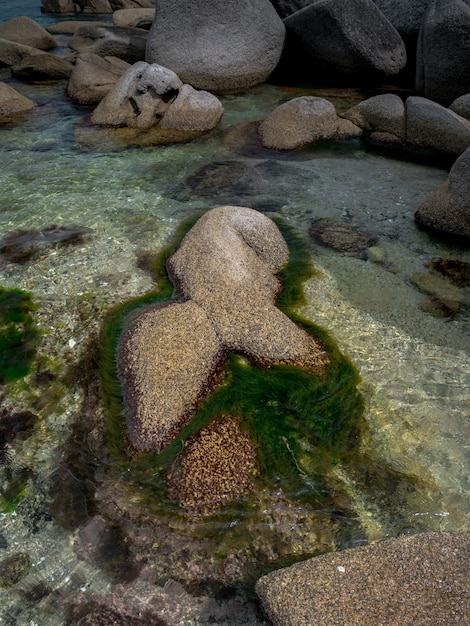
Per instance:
x=420, y=580
x=447, y=209
x=171, y=357
x=216, y=45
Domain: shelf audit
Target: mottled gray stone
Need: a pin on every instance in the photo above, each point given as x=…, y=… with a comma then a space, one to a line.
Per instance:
x=353, y=38
x=432, y=126
x=384, y=113
x=447, y=209
x=217, y=45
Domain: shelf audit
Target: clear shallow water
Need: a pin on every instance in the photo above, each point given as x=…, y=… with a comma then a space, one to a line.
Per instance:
x=415, y=368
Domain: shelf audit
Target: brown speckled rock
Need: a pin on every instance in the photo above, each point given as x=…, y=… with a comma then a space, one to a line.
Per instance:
x=171, y=356
x=303, y=121
x=227, y=264
x=420, y=580
x=168, y=358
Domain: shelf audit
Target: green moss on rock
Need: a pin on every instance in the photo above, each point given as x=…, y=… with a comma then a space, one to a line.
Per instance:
x=300, y=423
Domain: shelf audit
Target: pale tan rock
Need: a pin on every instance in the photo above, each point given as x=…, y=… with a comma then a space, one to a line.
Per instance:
x=27, y=32
x=302, y=121
x=13, y=103
x=193, y=110
x=93, y=77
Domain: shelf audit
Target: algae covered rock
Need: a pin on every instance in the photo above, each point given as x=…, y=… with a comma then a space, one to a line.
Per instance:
x=171, y=356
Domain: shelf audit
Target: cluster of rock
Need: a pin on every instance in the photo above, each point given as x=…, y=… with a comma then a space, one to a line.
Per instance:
x=172, y=356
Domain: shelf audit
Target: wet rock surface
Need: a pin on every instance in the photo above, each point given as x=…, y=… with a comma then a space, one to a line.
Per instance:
x=24, y=246
x=342, y=237
x=418, y=579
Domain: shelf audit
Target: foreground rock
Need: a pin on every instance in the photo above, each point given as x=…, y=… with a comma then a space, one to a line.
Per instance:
x=303, y=121
x=447, y=210
x=352, y=38
x=171, y=357
x=13, y=103
x=419, y=580
x=216, y=45
x=217, y=466
x=443, y=51
x=27, y=32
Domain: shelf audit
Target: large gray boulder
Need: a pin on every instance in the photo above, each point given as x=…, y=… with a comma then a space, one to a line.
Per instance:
x=405, y=15
x=432, y=126
x=12, y=53
x=26, y=31
x=443, y=51
x=461, y=106
x=127, y=44
x=418, y=579
x=13, y=103
x=93, y=77
x=287, y=7
x=301, y=121
x=351, y=38
x=447, y=209
x=140, y=97
x=217, y=45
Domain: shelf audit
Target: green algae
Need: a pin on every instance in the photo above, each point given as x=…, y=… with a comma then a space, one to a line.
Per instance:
x=14, y=568
x=301, y=423
x=19, y=335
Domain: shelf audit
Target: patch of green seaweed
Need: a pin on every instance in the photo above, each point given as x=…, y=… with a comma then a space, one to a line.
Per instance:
x=301, y=423
x=19, y=335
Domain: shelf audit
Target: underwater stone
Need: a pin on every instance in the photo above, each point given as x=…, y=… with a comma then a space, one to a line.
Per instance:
x=217, y=466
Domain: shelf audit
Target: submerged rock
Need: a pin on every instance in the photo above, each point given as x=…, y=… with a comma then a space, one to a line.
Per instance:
x=14, y=568
x=341, y=237
x=23, y=245
x=217, y=466
x=420, y=579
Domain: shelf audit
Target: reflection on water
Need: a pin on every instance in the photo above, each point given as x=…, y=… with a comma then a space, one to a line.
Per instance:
x=85, y=533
